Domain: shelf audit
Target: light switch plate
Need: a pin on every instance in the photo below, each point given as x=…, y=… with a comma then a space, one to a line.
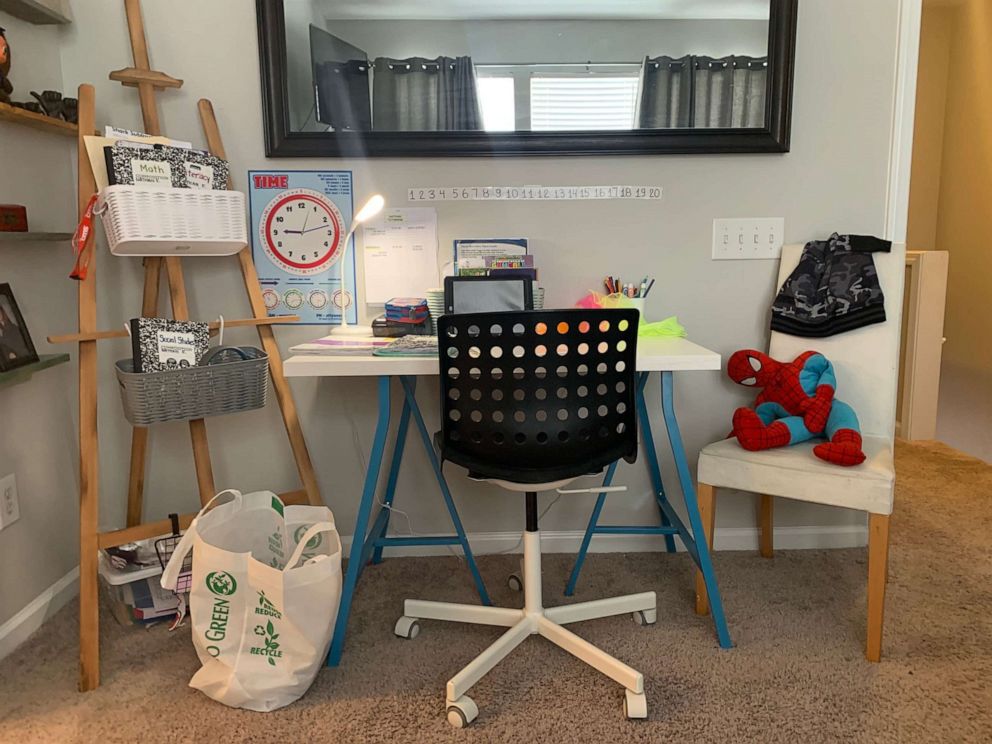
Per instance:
x=755, y=237
x=10, y=512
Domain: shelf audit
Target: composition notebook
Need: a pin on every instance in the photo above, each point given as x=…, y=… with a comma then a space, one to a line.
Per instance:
x=160, y=343
x=410, y=346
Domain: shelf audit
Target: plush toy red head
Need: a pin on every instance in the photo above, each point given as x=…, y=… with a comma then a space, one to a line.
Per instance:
x=751, y=367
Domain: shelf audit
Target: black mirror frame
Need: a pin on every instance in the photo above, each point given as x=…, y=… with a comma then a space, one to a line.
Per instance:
x=280, y=142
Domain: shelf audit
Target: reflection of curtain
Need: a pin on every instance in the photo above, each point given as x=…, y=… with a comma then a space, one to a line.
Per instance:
x=729, y=92
x=664, y=98
x=418, y=94
x=702, y=92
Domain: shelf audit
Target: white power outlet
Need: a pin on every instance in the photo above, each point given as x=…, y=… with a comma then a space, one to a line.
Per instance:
x=759, y=237
x=10, y=512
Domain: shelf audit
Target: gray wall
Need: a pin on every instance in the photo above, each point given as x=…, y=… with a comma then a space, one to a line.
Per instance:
x=514, y=42
x=37, y=434
x=834, y=179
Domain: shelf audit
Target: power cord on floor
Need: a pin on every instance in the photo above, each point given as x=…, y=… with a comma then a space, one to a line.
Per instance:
x=392, y=509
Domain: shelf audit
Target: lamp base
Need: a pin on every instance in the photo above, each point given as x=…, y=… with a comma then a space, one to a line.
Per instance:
x=351, y=330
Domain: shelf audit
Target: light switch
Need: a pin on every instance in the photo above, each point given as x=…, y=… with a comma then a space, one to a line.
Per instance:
x=757, y=237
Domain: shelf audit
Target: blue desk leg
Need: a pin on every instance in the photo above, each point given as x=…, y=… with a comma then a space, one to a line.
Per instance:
x=692, y=507
x=654, y=469
x=590, y=531
x=362, y=522
x=409, y=391
x=382, y=522
x=659, y=488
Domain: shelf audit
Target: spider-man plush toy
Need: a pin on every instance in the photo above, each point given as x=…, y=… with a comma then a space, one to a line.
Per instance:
x=796, y=404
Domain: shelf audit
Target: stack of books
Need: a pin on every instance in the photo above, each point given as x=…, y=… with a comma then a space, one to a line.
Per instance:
x=404, y=316
x=410, y=310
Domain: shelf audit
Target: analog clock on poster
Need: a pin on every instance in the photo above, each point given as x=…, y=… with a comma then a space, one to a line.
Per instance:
x=301, y=232
x=299, y=225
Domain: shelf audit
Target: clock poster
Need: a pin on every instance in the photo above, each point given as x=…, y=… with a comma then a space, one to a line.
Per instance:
x=299, y=220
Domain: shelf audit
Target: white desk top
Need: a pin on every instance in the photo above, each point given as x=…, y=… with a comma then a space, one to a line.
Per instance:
x=653, y=355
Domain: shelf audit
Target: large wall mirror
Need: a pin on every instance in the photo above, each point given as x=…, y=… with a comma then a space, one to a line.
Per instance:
x=525, y=77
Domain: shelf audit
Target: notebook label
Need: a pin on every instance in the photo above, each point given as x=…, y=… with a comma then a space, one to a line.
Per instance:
x=176, y=349
x=199, y=176
x=151, y=172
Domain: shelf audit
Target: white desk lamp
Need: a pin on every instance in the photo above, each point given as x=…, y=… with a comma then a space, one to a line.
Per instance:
x=370, y=209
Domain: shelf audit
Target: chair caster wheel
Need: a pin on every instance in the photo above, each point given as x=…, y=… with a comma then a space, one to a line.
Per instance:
x=462, y=712
x=515, y=583
x=407, y=627
x=635, y=705
x=646, y=617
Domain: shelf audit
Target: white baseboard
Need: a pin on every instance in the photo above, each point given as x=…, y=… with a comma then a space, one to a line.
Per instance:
x=16, y=630
x=727, y=538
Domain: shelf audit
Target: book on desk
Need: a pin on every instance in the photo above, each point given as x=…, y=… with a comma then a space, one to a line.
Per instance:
x=413, y=345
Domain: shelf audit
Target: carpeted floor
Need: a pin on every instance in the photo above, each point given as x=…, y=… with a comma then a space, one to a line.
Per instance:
x=797, y=672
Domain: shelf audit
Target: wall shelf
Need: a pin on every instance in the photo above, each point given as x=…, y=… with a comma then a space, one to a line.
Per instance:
x=37, y=121
x=25, y=373
x=35, y=237
x=38, y=12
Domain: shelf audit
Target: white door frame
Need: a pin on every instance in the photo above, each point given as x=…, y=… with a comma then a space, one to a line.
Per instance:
x=903, y=115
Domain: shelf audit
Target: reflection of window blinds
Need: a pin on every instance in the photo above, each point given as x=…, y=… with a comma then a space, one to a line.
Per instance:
x=583, y=102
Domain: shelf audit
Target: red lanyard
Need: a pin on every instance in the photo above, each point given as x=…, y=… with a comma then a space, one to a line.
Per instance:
x=81, y=240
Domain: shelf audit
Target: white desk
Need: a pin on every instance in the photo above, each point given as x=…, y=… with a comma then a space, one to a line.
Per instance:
x=653, y=355
x=663, y=355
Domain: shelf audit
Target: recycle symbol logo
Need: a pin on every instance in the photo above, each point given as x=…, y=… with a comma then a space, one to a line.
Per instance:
x=221, y=583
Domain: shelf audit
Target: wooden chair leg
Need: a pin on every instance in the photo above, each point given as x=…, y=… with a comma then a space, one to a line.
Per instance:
x=706, y=496
x=766, y=527
x=878, y=566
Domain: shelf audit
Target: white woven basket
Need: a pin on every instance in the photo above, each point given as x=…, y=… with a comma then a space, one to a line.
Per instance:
x=149, y=221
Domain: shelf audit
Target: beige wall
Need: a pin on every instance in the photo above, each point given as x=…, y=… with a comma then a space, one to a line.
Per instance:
x=37, y=434
x=834, y=179
x=951, y=206
x=842, y=124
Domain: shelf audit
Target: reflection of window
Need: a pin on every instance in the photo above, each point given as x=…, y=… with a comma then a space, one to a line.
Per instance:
x=582, y=101
x=550, y=97
x=496, y=101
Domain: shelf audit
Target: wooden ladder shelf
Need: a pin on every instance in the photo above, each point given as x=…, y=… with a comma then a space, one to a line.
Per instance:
x=149, y=82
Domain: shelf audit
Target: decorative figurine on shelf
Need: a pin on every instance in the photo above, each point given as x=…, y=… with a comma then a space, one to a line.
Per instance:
x=6, y=87
x=796, y=404
x=50, y=102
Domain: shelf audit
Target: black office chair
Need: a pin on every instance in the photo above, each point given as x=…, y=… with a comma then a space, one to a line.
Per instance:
x=531, y=401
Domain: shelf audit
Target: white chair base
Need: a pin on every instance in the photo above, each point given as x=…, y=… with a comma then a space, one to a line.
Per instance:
x=533, y=619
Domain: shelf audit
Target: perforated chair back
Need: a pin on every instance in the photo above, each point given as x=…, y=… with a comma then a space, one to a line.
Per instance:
x=538, y=396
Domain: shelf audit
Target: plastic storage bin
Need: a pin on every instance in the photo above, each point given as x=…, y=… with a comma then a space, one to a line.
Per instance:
x=147, y=221
x=135, y=595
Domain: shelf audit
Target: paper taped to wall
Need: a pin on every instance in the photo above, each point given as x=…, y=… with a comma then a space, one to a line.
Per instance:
x=530, y=193
x=400, y=254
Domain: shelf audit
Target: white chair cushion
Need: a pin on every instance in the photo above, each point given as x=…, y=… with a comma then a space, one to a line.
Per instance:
x=796, y=473
x=525, y=487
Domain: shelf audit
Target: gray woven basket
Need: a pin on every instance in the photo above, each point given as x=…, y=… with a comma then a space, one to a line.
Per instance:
x=236, y=383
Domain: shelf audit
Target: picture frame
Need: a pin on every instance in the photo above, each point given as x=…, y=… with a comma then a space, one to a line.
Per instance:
x=16, y=347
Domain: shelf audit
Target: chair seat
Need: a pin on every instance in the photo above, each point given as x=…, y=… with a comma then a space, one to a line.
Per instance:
x=521, y=487
x=796, y=473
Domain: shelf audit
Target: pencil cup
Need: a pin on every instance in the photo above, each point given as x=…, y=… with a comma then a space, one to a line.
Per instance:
x=639, y=304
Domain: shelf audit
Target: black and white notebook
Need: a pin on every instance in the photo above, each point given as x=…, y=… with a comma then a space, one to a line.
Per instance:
x=159, y=343
x=164, y=166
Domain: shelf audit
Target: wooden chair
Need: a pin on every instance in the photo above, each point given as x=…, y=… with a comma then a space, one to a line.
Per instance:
x=867, y=365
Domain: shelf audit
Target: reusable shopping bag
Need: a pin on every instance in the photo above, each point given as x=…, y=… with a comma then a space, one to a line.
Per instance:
x=265, y=590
